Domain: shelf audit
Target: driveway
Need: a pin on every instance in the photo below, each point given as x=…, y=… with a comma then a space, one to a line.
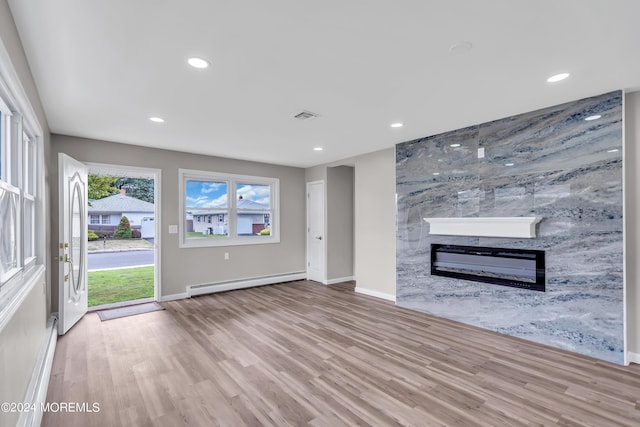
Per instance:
x=98, y=261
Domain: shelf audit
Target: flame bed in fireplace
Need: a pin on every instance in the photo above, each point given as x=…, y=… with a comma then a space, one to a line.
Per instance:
x=518, y=268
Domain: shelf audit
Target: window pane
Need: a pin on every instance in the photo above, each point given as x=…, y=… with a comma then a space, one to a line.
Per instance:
x=252, y=224
x=29, y=173
x=207, y=223
x=29, y=225
x=254, y=202
x=206, y=194
x=253, y=196
x=9, y=232
x=95, y=219
x=206, y=200
x=2, y=143
x=106, y=219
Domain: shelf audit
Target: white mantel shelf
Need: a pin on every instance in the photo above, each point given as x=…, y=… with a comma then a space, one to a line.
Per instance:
x=513, y=227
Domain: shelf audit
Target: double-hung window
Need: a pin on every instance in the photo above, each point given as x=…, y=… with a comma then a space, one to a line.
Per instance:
x=18, y=194
x=224, y=209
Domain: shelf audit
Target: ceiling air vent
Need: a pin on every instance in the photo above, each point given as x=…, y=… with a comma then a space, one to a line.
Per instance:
x=306, y=115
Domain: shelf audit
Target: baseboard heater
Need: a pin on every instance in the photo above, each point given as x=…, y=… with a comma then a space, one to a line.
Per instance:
x=517, y=268
x=230, y=285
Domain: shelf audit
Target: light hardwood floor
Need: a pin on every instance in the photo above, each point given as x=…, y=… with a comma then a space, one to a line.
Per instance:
x=301, y=353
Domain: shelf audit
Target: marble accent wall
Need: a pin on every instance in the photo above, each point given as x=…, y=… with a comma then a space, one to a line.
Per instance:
x=550, y=163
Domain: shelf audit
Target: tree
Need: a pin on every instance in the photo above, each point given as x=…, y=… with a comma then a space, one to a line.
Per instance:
x=140, y=188
x=124, y=229
x=101, y=186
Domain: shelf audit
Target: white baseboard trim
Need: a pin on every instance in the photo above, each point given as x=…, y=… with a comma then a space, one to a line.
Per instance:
x=376, y=294
x=633, y=357
x=173, y=297
x=209, y=288
x=37, y=391
x=338, y=280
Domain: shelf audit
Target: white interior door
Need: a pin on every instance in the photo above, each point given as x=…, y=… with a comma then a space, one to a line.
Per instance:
x=315, y=232
x=72, y=255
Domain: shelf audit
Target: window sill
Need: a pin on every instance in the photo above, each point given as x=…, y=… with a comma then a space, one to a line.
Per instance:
x=208, y=242
x=15, y=291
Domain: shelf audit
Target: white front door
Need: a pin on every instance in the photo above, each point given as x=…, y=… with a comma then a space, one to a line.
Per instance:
x=315, y=232
x=72, y=248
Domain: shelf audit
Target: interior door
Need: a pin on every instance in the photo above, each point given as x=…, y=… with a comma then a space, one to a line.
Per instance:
x=315, y=232
x=72, y=255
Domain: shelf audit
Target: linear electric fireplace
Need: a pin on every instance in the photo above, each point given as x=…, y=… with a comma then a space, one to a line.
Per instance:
x=518, y=268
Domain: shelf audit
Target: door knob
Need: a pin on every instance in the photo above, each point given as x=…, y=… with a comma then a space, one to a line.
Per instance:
x=319, y=237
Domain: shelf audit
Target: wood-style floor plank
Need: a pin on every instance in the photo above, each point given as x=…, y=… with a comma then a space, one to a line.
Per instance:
x=301, y=353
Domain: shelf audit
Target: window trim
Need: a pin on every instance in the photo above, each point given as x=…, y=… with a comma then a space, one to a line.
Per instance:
x=14, y=98
x=232, y=180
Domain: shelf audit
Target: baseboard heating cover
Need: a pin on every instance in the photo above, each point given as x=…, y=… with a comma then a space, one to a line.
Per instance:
x=36, y=394
x=209, y=288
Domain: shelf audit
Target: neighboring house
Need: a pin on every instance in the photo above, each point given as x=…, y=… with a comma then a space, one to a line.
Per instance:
x=216, y=221
x=105, y=214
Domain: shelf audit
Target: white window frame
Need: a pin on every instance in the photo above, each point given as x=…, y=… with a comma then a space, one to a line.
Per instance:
x=22, y=174
x=16, y=232
x=231, y=180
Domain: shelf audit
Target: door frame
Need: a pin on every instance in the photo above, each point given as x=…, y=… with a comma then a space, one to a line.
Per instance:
x=324, y=229
x=148, y=173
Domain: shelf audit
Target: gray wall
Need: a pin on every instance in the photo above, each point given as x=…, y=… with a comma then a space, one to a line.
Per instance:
x=23, y=335
x=375, y=225
x=182, y=267
x=632, y=199
x=374, y=218
x=339, y=217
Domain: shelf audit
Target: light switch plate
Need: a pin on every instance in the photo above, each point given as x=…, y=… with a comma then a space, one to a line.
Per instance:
x=173, y=229
x=481, y=153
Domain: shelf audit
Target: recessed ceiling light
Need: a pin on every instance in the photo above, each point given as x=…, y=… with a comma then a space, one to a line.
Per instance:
x=156, y=119
x=594, y=117
x=557, y=77
x=508, y=164
x=454, y=145
x=614, y=150
x=436, y=173
x=196, y=62
x=397, y=125
x=318, y=149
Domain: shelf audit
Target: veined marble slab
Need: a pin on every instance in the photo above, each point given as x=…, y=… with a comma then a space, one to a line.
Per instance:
x=549, y=163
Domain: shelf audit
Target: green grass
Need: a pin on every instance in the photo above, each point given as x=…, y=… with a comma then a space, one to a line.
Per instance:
x=198, y=234
x=125, y=284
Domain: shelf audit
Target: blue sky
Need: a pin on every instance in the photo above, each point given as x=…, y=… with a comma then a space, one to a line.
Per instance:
x=211, y=195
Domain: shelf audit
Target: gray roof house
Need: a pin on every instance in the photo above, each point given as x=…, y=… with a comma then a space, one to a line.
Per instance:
x=250, y=222
x=106, y=213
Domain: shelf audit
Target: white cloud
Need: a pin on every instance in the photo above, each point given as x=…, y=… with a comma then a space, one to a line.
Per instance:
x=220, y=202
x=256, y=193
x=208, y=187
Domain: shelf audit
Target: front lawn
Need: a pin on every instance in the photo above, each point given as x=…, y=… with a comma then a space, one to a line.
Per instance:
x=199, y=234
x=124, y=284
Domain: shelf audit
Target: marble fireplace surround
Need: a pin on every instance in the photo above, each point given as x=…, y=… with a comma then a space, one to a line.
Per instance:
x=549, y=164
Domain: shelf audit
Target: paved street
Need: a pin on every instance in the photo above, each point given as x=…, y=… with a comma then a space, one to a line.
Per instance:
x=119, y=259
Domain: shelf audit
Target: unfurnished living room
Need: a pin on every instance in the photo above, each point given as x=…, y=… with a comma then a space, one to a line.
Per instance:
x=416, y=213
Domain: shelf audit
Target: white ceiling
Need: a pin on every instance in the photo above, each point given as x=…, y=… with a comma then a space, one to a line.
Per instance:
x=103, y=68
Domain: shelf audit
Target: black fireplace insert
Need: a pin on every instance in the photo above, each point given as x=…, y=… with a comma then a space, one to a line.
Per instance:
x=519, y=268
